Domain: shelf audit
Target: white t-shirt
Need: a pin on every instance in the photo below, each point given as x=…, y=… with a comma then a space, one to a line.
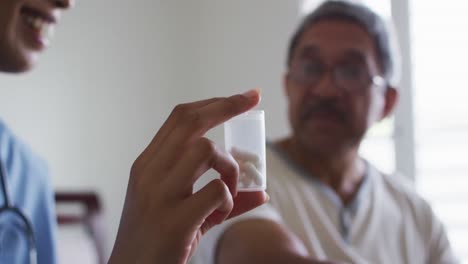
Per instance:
x=388, y=222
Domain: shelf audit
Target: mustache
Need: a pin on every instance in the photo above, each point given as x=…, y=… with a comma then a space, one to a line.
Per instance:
x=323, y=107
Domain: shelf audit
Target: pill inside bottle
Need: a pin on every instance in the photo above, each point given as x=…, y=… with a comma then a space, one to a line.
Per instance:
x=244, y=138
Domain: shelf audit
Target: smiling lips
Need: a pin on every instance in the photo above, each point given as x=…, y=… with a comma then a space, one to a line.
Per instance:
x=42, y=25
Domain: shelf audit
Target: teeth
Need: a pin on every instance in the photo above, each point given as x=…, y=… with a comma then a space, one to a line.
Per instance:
x=44, y=27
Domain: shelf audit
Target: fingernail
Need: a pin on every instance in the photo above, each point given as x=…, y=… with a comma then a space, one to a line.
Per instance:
x=267, y=199
x=252, y=94
x=259, y=91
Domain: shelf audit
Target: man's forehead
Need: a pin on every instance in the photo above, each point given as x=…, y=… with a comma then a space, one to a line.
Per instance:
x=336, y=37
x=312, y=50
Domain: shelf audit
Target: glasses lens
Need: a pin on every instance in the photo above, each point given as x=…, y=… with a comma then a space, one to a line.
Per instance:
x=351, y=77
x=308, y=72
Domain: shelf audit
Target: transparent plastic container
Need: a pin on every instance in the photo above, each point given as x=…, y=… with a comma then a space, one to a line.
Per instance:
x=244, y=138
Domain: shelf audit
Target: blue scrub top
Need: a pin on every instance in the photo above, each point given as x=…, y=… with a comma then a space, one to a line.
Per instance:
x=29, y=189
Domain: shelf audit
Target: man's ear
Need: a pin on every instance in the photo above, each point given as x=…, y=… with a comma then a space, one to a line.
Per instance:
x=391, y=100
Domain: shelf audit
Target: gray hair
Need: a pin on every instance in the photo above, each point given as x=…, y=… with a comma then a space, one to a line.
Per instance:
x=381, y=32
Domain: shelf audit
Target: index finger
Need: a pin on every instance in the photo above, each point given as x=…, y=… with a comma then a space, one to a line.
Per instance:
x=169, y=125
x=211, y=115
x=199, y=121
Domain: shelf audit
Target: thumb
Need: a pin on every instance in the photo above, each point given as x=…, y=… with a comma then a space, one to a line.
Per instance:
x=246, y=201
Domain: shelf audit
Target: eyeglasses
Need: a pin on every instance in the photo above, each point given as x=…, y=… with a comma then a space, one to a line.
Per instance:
x=349, y=76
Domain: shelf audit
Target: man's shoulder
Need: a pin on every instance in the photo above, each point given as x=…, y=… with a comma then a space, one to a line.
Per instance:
x=279, y=165
x=209, y=243
x=402, y=190
x=398, y=184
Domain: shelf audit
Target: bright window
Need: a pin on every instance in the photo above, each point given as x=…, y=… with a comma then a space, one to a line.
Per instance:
x=439, y=48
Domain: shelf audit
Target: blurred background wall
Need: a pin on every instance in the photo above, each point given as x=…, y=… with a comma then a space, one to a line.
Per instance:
x=117, y=68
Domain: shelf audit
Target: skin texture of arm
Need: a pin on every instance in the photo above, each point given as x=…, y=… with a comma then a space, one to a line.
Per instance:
x=261, y=241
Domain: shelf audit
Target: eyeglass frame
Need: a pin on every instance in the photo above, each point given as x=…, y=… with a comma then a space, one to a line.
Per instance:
x=376, y=80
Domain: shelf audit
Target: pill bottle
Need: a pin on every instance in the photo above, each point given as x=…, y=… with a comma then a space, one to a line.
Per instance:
x=244, y=138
